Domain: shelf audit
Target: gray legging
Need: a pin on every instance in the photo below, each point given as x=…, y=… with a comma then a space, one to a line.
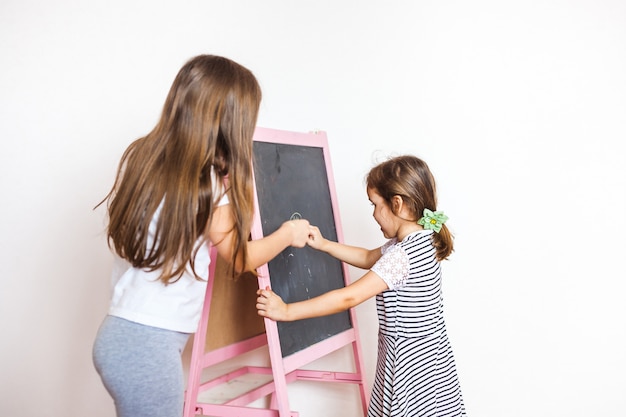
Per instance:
x=141, y=367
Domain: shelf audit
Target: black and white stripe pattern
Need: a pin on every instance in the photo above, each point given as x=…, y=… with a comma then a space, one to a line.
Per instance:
x=416, y=374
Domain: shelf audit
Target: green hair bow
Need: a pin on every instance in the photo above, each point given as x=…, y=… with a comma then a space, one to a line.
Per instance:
x=433, y=220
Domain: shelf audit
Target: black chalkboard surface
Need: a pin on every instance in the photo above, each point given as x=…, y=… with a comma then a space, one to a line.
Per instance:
x=292, y=181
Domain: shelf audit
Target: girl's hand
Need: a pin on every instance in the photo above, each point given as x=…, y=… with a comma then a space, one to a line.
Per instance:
x=270, y=305
x=299, y=230
x=316, y=240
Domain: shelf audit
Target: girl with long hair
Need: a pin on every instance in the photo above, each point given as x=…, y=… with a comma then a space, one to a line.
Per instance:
x=184, y=186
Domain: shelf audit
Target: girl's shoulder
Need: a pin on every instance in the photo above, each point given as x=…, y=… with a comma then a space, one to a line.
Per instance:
x=417, y=242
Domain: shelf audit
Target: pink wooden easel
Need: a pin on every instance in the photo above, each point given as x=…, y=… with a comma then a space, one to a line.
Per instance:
x=283, y=369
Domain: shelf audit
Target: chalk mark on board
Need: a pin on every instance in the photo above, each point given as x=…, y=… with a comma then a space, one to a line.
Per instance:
x=295, y=216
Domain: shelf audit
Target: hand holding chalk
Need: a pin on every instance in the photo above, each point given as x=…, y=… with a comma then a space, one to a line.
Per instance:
x=316, y=240
x=299, y=230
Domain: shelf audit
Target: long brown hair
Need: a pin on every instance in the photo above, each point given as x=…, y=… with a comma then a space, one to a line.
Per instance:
x=206, y=125
x=410, y=178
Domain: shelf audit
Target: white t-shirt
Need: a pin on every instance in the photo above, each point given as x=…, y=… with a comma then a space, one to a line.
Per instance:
x=139, y=295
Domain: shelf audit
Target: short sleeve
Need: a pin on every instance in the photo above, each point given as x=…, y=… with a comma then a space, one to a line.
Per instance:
x=393, y=266
x=390, y=243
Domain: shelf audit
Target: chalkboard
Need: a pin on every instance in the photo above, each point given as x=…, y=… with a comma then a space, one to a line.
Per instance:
x=293, y=178
x=292, y=181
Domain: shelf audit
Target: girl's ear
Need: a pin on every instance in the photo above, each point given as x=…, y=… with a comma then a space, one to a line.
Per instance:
x=396, y=204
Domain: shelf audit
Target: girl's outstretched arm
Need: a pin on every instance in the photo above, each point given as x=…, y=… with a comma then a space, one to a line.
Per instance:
x=290, y=233
x=353, y=255
x=221, y=234
x=269, y=304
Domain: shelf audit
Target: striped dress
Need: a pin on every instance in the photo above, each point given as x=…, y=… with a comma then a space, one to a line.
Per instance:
x=415, y=373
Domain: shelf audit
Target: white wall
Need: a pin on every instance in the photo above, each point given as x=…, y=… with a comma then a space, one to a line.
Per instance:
x=519, y=108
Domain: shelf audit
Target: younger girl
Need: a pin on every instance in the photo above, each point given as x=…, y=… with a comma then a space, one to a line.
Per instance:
x=416, y=374
x=169, y=202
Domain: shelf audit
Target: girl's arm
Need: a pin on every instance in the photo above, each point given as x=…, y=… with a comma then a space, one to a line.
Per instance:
x=221, y=234
x=269, y=304
x=291, y=233
x=355, y=256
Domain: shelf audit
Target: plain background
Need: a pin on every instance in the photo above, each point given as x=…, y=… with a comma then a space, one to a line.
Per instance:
x=519, y=107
